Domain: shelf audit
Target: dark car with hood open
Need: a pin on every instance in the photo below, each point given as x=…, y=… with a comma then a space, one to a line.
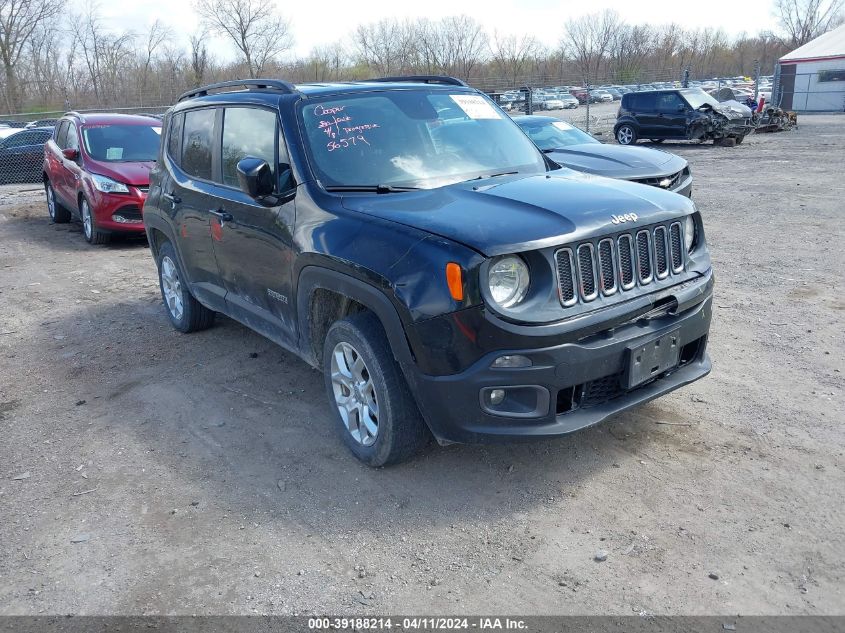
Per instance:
x=571, y=147
x=405, y=238
x=682, y=114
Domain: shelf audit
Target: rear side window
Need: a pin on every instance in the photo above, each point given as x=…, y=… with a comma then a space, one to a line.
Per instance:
x=197, y=141
x=247, y=132
x=644, y=101
x=174, y=138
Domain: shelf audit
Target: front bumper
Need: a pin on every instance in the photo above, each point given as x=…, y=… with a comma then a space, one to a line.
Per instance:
x=118, y=212
x=577, y=384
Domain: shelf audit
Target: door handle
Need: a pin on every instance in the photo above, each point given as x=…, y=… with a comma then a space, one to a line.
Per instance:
x=223, y=216
x=174, y=199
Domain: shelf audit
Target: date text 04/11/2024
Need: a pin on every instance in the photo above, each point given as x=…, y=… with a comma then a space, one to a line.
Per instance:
x=418, y=623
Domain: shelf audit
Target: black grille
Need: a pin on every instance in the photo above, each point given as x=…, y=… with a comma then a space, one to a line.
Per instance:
x=601, y=390
x=586, y=271
x=660, y=261
x=669, y=181
x=643, y=257
x=566, y=284
x=129, y=212
x=607, y=274
x=626, y=265
x=617, y=264
x=677, y=243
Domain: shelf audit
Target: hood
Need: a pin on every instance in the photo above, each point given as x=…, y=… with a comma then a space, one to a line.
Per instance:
x=733, y=110
x=517, y=213
x=131, y=173
x=616, y=161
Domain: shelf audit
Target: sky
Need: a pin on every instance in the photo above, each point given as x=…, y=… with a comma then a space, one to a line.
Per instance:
x=325, y=21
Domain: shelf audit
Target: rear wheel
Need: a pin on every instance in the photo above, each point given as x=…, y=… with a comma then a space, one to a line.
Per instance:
x=373, y=407
x=89, y=225
x=186, y=313
x=58, y=214
x=739, y=139
x=626, y=135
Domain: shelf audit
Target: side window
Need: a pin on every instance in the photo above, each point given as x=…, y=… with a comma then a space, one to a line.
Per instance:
x=645, y=102
x=72, y=141
x=21, y=140
x=247, y=132
x=61, y=135
x=174, y=138
x=669, y=102
x=197, y=141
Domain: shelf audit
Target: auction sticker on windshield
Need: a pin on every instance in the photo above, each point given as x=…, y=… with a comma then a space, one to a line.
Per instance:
x=475, y=106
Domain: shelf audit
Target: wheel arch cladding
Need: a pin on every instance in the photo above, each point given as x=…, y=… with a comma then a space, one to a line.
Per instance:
x=343, y=295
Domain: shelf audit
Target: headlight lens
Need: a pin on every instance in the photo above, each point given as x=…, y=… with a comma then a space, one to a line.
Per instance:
x=689, y=232
x=508, y=280
x=107, y=185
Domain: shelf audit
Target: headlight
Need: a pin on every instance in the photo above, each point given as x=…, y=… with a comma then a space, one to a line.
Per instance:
x=508, y=280
x=107, y=185
x=689, y=232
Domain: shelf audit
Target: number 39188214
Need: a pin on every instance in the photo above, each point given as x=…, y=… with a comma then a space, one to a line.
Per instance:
x=343, y=143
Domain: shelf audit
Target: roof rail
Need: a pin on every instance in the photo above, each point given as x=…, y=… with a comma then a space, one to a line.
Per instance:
x=262, y=84
x=426, y=79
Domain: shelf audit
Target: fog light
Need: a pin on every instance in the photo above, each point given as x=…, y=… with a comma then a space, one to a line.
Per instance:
x=516, y=360
x=497, y=396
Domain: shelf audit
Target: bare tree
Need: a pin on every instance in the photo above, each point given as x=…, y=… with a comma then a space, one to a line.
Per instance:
x=19, y=19
x=156, y=36
x=512, y=55
x=390, y=46
x=199, y=57
x=803, y=20
x=587, y=41
x=256, y=30
x=455, y=45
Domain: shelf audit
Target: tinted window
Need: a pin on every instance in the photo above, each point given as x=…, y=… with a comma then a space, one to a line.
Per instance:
x=247, y=132
x=26, y=138
x=117, y=143
x=197, y=140
x=669, y=102
x=644, y=101
x=72, y=141
x=61, y=135
x=174, y=138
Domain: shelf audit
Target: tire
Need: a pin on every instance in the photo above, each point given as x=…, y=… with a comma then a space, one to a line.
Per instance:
x=58, y=214
x=361, y=374
x=626, y=135
x=186, y=314
x=89, y=225
x=739, y=139
x=729, y=141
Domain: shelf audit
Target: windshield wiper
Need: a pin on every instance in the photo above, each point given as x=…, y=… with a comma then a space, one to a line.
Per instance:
x=484, y=176
x=371, y=188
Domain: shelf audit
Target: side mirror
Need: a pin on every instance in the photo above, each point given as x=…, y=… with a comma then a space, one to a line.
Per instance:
x=70, y=153
x=255, y=177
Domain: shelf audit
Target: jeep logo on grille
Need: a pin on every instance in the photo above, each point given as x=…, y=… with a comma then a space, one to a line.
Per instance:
x=621, y=219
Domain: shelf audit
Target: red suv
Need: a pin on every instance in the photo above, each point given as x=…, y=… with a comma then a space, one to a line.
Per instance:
x=97, y=168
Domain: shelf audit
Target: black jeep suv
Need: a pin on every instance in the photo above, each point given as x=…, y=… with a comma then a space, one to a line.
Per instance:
x=405, y=237
x=685, y=114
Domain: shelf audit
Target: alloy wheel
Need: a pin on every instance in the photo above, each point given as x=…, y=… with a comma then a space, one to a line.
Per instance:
x=51, y=203
x=624, y=135
x=354, y=394
x=87, y=221
x=171, y=287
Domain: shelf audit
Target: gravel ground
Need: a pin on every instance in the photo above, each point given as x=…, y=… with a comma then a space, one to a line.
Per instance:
x=145, y=471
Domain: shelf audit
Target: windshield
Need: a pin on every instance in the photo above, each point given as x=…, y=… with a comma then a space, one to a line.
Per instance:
x=121, y=143
x=549, y=135
x=696, y=97
x=413, y=138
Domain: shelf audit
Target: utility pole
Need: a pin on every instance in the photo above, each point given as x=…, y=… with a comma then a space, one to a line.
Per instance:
x=685, y=80
x=756, y=80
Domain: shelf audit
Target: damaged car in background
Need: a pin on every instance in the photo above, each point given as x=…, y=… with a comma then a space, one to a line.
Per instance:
x=681, y=114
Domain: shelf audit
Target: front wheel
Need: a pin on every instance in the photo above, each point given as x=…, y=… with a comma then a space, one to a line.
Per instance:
x=626, y=135
x=89, y=225
x=373, y=407
x=186, y=313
